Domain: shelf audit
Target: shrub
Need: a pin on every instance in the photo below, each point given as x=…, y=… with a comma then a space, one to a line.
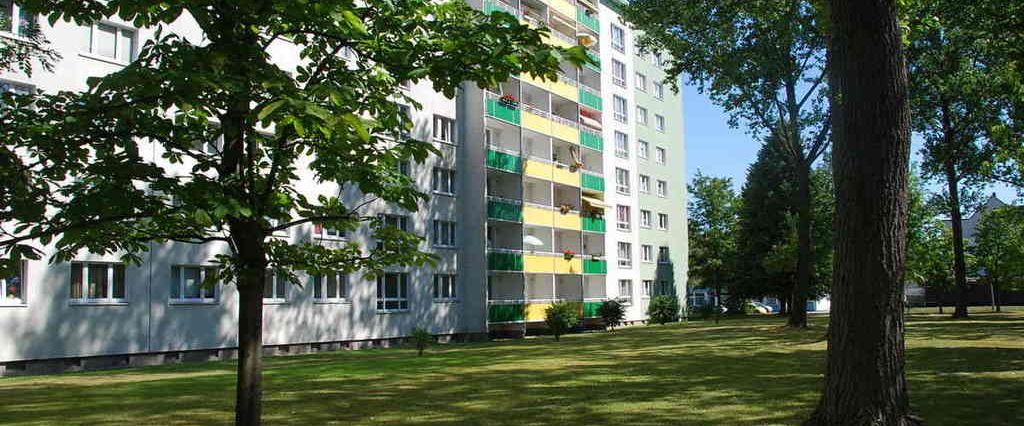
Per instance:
x=612, y=313
x=561, y=317
x=421, y=338
x=703, y=312
x=663, y=309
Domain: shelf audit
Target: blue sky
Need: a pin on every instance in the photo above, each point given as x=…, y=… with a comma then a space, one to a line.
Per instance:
x=717, y=150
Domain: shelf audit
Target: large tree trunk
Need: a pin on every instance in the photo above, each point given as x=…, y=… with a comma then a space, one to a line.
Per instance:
x=253, y=270
x=798, y=312
x=864, y=380
x=959, y=264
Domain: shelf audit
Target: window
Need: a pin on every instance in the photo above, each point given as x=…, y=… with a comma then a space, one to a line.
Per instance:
x=662, y=221
x=444, y=233
x=647, y=253
x=444, y=129
x=444, y=287
x=7, y=86
x=663, y=255
x=621, y=145
x=405, y=115
x=645, y=184
x=646, y=287
x=619, y=109
x=643, y=149
x=645, y=218
x=325, y=232
x=618, y=38
x=656, y=58
x=23, y=26
x=398, y=221
x=641, y=82
x=188, y=284
x=275, y=288
x=404, y=85
x=659, y=123
x=626, y=291
x=618, y=73
x=662, y=188
x=659, y=90
x=393, y=292
x=641, y=115
x=659, y=155
x=622, y=181
x=97, y=283
x=443, y=181
x=330, y=288
x=405, y=168
x=622, y=218
x=13, y=286
x=111, y=42
x=625, y=255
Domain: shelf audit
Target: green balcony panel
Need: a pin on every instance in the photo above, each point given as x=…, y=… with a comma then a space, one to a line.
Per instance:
x=593, y=224
x=591, y=140
x=592, y=309
x=494, y=6
x=506, y=313
x=504, y=210
x=588, y=20
x=505, y=262
x=497, y=110
x=503, y=161
x=593, y=182
x=596, y=67
x=590, y=99
x=595, y=266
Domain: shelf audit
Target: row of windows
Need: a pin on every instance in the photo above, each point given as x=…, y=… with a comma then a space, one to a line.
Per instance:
x=623, y=185
x=639, y=80
x=624, y=220
x=618, y=38
x=105, y=283
x=625, y=251
x=621, y=114
x=105, y=40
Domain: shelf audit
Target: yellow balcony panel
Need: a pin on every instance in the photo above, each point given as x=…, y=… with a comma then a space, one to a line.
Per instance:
x=539, y=82
x=538, y=170
x=556, y=41
x=536, y=311
x=538, y=216
x=572, y=266
x=564, y=7
x=567, y=221
x=536, y=123
x=565, y=132
x=539, y=264
x=563, y=176
x=565, y=90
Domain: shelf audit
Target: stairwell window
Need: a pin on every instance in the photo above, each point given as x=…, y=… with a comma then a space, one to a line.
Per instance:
x=621, y=145
x=622, y=219
x=97, y=283
x=622, y=181
x=645, y=218
x=111, y=42
x=444, y=288
x=626, y=292
x=275, y=288
x=444, y=234
x=443, y=181
x=618, y=73
x=189, y=284
x=444, y=129
x=13, y=286
x=393, y=292
x=15, y=20
x=330, y=288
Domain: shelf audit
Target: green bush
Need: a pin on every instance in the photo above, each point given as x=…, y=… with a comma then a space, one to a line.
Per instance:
x=703, y=312
x=663, y=309
x=561, y=317
x=421, y=338
x=612, y=313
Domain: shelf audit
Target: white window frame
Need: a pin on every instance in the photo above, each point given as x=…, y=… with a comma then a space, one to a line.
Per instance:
x=645, y=219
x=620, y=115
x=662, y=188
x=663, y=221
x=111, y=268
x=15, y=29
x=643, y=149
x=328, y=233
x=619, y=73
x=444, y=129
x=621, y=145
x=622, y=185
x=445, y=288
x=664, y=255
x=207, y=296
x=626, y=291
x=645, y=288
x=320, y=286
x=659, y=90
x=442, y=181
x=625, y=254
x=641, y=82
x=641, y=115
x=278, y=288
x=659, y=123
x=623, y=223
x=645, y=184
x=22, y=284
x=402, y=221
x=618, y=43
x=660, y=155
x=92, y=51
x=401, y=300
x=646, y=253
x=443, y=234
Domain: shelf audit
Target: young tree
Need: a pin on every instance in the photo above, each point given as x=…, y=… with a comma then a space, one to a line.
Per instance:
x=764, y=62
x=712, y=209
x=561, y=317
x=956, y=101
x=242, y=127
x=929, y=260
x=612, y=313
x=998, y=250
x=865, y=383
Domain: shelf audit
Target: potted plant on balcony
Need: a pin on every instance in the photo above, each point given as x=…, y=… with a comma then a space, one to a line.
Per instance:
x=568, y=254
x=508, y=101
x=565, y=208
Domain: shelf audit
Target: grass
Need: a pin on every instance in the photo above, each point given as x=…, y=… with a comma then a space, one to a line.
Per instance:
x=740, y=372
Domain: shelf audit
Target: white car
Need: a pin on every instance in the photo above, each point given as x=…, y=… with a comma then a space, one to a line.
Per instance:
x=761, y=308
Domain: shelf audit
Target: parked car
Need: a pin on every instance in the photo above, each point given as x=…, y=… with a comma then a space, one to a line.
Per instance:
x=761, y=308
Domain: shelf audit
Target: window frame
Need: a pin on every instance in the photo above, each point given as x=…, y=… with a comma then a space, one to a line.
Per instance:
x=442, y=181
x=659, y=90
x=15, y=30
x=645, y=184
x=275, y=286
x=643, y=149
x=402, y=299
x=623, y=151
x=641, y=115
x=201, y=300
x=664, y=255
x=93, y=53
x=443, y=234
x=640, y=81
x=320, y=286
x=623, y=115
x=438, y=286
x=111, y=283
x=646, y=253
x=646, y=288
x=625, y=261
x=661, y=188
x=646, y=214
x=627, y=298
x=622, y=187
x=659, y=123
x=448, y=129
x=22, y=276
x=618, y=45
x=663, y=221
x=660, y=155
x=623, y=224
x=617, y=68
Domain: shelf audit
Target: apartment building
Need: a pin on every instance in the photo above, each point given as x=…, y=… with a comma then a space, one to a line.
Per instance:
x=539, y=195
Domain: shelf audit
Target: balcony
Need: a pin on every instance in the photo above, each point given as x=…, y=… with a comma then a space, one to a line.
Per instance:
x=589, y=97
x=597, y=59
x=564, y=7
x=504, y=161
x=592, y=182
x=491, y=6
x=566, y=87
x=503, y=110
x=591, y=139
x=551, y=172
x=588, y=18
x=593, y=224
x=506, y=312
x=503, y=209
x=595, y=266
x=505, y=261
x=592, y=309
x=565, y=129
x=551, y=218
x=552, y=263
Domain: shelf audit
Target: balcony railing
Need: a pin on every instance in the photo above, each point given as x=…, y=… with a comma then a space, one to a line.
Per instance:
x=502, y=111
x=593, y=224
x=588, y=18
x=595, y=266
x=591, y=139
x=592, y=181
x=505, y=260
x=504, y=209
x=590, y=97
x=499, y=6
x=504, y=161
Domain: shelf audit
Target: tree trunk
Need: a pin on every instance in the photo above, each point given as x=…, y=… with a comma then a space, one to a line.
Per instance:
x=798, y=312
x=959, y=264
x=253, y=269
x=864, y=380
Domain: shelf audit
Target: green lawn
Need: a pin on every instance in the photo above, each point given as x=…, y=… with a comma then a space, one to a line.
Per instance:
x=742, y=371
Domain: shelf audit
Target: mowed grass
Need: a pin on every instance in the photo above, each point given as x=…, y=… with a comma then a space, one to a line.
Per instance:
x=750, y=371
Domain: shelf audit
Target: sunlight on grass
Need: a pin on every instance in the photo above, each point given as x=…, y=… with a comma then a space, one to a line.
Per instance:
x=752, y=371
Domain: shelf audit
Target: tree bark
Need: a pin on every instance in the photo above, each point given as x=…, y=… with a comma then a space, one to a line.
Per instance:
x=865, y=382
x=253, y=269
x=956, y=222
x=798, y=312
